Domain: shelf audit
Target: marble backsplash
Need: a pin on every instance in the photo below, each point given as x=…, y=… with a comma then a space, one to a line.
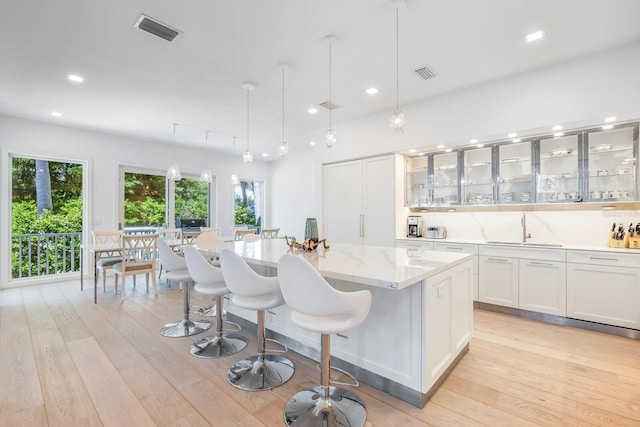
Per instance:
x=589, y=228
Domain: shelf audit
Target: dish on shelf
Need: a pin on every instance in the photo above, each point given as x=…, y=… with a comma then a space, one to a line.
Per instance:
x=525, y=196
x=603, y=173
x=445, y=167
x=510, y=160
x=561, y=152
x=567, y=175
x=623, y=171
x=629, y=161
x=474, y=164
x=523, y=177
x=600, y=148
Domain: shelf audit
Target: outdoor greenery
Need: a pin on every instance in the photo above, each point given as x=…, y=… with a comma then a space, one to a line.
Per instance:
x=245, y=207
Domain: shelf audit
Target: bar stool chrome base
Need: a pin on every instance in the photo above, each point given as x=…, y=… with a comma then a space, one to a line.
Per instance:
x=309, y=408
x=260, y=372
x=210, y=310
x=217, y=346
x=184, y=328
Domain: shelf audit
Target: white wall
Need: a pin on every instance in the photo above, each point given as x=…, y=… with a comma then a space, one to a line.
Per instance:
x=577, y=92
x=104, y=153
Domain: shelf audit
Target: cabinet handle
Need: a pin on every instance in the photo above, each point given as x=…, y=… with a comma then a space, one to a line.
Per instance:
x=451, y=248
x=548, y=264
x=342, y=336
x=498, y=259
x=272, y=312
x=603, y=259
x=361, y=225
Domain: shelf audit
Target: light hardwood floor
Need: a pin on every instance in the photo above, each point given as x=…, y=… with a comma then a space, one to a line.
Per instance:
x=67, y=362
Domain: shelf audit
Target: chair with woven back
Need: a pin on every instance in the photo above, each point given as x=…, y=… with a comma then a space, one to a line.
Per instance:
x=138, y=257
x=106, y=260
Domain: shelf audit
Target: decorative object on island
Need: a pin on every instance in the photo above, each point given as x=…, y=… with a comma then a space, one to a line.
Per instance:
x=308, y=245
x=311, y=229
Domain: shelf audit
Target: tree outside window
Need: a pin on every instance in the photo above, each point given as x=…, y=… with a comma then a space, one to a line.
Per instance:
x=249, y=204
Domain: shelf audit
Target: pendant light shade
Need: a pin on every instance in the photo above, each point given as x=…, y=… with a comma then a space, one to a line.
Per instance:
x=173, y=172
x=234, y=178
x=247, y=155
x=397, y=120
x=283, y=148
x=205, y=175
x=330, y=138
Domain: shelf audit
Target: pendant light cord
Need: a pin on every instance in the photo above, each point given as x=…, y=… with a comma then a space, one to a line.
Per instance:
x=330, y=105
x=247, y=119
x=397, y=60
x=173, y=150
x=282, y=104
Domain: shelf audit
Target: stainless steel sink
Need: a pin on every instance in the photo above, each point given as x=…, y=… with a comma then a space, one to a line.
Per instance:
x=528, y=244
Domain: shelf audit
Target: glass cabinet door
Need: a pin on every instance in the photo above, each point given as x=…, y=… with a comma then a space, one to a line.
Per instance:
x=558, y=174
x=514, y=173
x=611, y=163
x=477, y=184
x=445, y=178
x=417, y=185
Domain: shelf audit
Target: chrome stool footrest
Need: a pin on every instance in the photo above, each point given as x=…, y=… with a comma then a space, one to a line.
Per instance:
x=271, y=350
x=237, y=328
x=355, y=382
x=310, y=408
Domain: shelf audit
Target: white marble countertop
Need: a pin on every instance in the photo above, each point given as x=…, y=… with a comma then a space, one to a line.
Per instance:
x=568, y=246
x=379, y=266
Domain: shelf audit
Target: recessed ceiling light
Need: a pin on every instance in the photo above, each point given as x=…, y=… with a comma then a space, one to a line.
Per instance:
x=312, y=110
x=512, y=135
x=517, y=140
x=56, y=114
x=557, y=128
x=372, y=91
x=609, y=119
x=75, y=78
x=531, y=37
x=607, y=127
x=441, y=146
x=557, y=134
x=312, y=143
x=479, y=145
x=265, y=154
x=448, y=150
x=413, y=150
x=474, y=141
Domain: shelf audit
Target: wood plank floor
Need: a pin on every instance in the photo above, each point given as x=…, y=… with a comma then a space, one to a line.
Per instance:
x=67, y=362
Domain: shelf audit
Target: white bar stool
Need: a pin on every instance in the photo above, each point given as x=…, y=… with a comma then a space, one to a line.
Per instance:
x=210, y=241
x=319, y=307
x=209, y=281
x=255, y=292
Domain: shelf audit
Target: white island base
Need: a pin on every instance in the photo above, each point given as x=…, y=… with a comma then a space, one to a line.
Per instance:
x=419, y=325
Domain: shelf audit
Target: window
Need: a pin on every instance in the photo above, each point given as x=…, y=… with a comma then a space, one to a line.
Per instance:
x=249, y=204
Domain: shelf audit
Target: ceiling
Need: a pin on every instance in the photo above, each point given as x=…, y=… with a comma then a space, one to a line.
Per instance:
x=138, y=85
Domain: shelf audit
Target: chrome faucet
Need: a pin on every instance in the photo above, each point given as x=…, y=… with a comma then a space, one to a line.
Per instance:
x=523, y=223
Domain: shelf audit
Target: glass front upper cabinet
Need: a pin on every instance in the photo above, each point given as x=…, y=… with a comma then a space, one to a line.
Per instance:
x=558, y=172
x=477, y=182
x=514, y=173
x=611, y=164
x=445, y=178
x=417, y=184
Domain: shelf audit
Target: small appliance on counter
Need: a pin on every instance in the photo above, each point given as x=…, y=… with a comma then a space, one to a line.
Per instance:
x=435, y=232
x=413, y=224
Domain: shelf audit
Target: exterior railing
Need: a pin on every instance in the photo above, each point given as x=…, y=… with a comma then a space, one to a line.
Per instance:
x=44, y=254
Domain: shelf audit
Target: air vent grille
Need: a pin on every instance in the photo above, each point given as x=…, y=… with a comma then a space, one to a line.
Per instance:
x=425, y=72
x=329, y=106
x=156, y=28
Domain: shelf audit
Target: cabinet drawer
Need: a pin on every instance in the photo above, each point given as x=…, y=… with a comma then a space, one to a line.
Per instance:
x=523, y=252
x=414, y=244
x=461, y=248
x=603, y=258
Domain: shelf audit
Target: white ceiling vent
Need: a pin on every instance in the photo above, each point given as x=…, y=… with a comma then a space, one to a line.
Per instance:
x=156, y=28
x=329, y=106
x=425, y=72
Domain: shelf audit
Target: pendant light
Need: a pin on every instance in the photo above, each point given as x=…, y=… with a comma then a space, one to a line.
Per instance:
x=330, y=137
x=283, y=149
x=247, y=155
x=173, y=172
x=396, y=121
x=234, y=178
x=205, y=175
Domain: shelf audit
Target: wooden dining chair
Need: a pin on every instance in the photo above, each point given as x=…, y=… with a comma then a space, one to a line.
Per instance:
x=240, y=233
x=138, y=257
x=270, y=233
x=106, y=260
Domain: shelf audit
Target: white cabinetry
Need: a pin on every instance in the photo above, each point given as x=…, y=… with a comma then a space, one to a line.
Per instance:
x=527, y=278
x=604, y=287
x=359, y=201
x=466, y=248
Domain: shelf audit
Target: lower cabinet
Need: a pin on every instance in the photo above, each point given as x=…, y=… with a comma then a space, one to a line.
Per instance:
x=542, y=286
x=498, y=280
x=603, y=288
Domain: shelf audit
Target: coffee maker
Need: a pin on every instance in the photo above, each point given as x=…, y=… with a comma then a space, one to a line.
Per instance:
x=413, y=224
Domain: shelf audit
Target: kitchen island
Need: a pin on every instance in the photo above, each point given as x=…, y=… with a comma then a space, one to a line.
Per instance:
x=419, y=325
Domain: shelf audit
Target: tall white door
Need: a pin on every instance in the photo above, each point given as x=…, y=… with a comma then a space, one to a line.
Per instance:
x=379, y=196
x=343, y=202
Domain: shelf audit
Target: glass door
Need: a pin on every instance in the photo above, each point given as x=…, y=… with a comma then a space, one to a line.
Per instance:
x=417, y=185
x=477, y=184
x=558, y=173
x=514, y=173
x=445, y=179
x=611, y=163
